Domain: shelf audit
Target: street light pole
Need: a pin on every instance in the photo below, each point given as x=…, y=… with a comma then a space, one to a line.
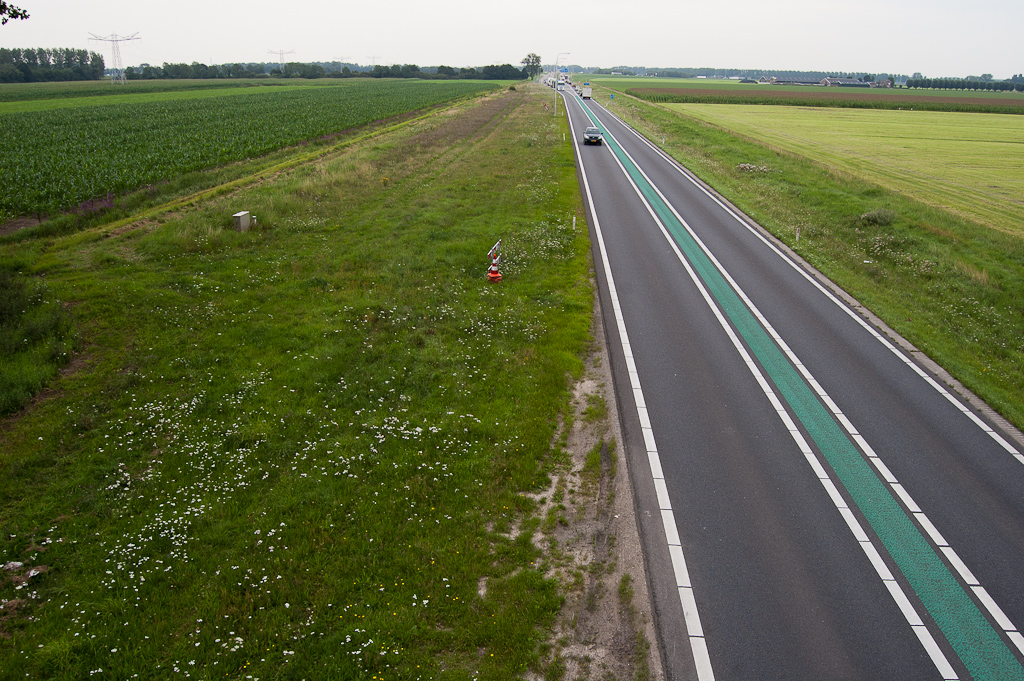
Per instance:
x=558, y=60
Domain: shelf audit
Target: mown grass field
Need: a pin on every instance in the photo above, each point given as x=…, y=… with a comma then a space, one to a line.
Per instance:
x=950, y=284
x=969, y=164
x=299, y=452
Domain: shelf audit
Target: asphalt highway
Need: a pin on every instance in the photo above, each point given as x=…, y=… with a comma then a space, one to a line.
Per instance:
x=814, y=504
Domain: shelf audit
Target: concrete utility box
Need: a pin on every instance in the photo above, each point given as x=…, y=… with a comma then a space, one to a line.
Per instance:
x=242, y=221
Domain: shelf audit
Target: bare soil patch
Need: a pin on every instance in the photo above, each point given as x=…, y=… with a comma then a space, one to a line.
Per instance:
x=605, y=630
x=12, y=226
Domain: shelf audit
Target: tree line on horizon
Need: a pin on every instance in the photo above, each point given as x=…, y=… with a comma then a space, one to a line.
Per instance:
x=40, y=64
x=1013, y=84
x=29, y=65
x=321, y=70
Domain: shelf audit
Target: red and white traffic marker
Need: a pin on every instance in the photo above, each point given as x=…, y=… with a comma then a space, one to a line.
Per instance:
x=495, y=255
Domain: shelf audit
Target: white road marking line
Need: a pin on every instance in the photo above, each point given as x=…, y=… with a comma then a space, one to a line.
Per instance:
x=845, y=308
x=997, y=614
x=698, y=645
x=932, y=648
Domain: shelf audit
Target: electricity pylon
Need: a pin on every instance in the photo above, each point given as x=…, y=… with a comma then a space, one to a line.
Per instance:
x=280, y=55
x=117, y=71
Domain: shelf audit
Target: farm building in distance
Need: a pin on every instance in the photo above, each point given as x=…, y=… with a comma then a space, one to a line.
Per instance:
x=777, y=80
x=844, y=82
x=831, y=81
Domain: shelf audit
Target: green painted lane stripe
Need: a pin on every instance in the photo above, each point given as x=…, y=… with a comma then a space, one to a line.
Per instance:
x=975, y=641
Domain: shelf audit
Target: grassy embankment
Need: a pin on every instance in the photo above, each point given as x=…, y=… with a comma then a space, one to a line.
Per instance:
x=949, y=284
x=294, y=452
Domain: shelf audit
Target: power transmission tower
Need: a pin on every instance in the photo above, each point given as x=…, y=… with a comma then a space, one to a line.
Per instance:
x=341, y=62
x=117, y=71
x=280, y=55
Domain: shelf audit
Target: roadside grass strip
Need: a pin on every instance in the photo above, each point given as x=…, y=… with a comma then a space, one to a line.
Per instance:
x=973, y=638
x=299, y=451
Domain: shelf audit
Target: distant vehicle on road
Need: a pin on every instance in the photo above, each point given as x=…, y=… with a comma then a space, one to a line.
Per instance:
x=586, y=92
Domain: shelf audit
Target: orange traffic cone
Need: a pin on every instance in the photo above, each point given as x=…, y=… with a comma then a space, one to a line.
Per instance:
x=495, y=255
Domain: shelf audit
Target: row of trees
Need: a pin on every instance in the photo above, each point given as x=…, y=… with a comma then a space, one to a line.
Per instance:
x=49, y=64
x=490, y=72
x=321, y=70
x=967, y=84
x=195, y=70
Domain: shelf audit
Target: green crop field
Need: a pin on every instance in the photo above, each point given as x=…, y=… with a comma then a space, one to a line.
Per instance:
x=18, y=92
x=117, y=96
x=969, y=164
x=63, y=158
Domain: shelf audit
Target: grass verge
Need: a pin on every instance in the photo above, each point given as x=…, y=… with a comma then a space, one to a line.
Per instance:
x=284, y=448
x=948, y=285
x=593, y=544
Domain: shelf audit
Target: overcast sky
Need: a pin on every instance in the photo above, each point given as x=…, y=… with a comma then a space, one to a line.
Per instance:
x=935, y=37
